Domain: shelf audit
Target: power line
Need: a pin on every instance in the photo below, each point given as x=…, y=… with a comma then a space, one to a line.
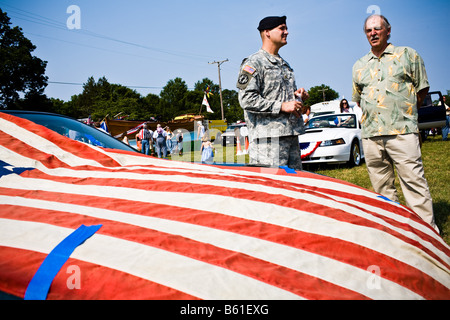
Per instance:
x=38, y=19
x=67, y=83
x=131, y=87
x=48, y=22
x=35, y=18
x=103, y=49
x=81, y=84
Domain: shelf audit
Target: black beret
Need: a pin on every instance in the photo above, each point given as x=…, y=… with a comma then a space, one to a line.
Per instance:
x=269, y=23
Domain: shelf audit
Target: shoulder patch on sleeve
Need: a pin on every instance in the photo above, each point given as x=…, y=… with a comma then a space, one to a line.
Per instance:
x=243, y=80
x=249, y=69
x=245, y=76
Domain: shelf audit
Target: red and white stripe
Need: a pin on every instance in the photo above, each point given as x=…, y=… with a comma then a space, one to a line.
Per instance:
x=173, y=230
x=312, y=146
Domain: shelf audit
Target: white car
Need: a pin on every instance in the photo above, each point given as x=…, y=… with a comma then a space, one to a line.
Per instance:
x=332, y=138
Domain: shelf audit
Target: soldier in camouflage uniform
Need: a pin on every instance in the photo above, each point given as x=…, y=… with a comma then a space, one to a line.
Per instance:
x=390, y=84
x=267, y=93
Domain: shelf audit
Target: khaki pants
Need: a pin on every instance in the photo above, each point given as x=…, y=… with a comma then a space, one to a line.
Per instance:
x=403, y=152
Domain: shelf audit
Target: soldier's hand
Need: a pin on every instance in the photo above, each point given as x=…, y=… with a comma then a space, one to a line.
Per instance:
x=302, y=93
x=294, y=107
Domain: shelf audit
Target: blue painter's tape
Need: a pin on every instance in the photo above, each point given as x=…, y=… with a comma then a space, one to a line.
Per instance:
x=288, y=170
x=387, y=199
x=40, y=284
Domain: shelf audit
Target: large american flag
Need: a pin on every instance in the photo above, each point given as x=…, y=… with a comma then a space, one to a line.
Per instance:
x=173, y=230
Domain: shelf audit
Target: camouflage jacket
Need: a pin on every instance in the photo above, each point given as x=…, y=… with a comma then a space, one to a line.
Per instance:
x=386, y=89
x=265, y=82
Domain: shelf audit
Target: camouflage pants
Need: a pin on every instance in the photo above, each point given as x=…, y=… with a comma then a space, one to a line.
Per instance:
x=276, y=152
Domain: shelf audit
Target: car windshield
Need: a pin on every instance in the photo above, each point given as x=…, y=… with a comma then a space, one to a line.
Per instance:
x=333, y=121
x=73, y=129
x=233, y=127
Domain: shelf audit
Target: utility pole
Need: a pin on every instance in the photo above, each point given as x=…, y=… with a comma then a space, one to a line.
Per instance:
x=220, y=84
x=323, y=93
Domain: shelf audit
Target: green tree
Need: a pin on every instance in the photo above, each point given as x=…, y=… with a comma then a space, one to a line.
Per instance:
x=91, y=95
x=19, y=70
x=193, y=102
x=34, y=101
x=59, y=106
x=100, y=99
x=320, y=94
x=206, y=85
x=172, y=99
x=150, y=104
x=232, y=109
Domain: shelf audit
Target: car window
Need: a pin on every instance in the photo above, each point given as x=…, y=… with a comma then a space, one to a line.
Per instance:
x=74, y=129
x=333, y=121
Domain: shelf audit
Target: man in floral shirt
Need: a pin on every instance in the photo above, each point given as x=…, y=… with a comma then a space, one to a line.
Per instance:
x=390, y=84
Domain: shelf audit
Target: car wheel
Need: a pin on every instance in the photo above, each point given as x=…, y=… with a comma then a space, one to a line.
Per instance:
x=355, y=154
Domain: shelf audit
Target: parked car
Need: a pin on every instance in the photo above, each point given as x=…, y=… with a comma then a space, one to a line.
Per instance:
x=72, y=128
x=332, y=138
x=326, y=107
x=431, y=113
x=329, y=107
x=229, y=136
x=79, y=221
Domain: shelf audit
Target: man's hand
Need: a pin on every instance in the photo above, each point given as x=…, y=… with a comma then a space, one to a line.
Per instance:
x=302, y=93
x=421, y=97
x=294, y=107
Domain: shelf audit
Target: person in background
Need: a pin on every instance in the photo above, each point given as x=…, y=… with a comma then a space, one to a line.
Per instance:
x=169, y=137
x=160, y=141
x=145, y=136
x=179, y=138
x=447, y=122
x=306, y=114
x=125, y=138
x=200, y=130
x=344, y=106
x=207, y=150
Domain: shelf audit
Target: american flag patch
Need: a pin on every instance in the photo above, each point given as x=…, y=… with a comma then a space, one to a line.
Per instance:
x=249, y=69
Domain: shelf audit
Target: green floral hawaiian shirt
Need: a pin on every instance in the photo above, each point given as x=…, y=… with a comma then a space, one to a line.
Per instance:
x=386, y=89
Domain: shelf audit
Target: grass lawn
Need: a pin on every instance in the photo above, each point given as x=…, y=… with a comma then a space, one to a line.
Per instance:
x=436, y=160
x=435, y=154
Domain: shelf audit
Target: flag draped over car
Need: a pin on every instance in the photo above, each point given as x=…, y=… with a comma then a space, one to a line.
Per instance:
x=174, y=230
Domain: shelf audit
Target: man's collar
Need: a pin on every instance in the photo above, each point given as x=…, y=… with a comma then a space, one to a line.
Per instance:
x=272, y=58
x=389, y=50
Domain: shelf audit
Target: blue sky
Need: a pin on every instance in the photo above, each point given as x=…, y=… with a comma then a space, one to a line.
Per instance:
x=145, y=43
